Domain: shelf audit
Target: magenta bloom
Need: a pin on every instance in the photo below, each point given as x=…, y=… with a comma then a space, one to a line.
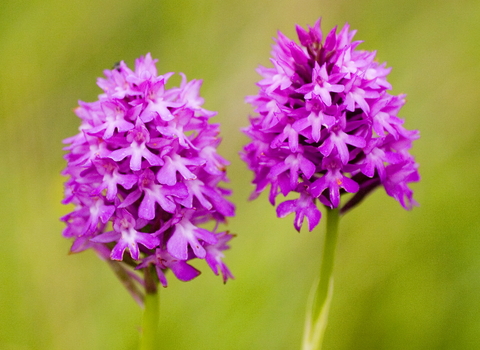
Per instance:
x=144, y=173
x=325, y=124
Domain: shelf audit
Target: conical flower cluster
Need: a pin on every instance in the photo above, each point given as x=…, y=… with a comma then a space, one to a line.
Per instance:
x=325, y=124
x=144, y=173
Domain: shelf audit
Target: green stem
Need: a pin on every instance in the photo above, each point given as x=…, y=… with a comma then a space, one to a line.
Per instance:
x=321, y=296
x=148, y=336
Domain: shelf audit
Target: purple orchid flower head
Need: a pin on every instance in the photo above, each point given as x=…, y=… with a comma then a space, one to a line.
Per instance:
x=325, y=124
x=144, y=174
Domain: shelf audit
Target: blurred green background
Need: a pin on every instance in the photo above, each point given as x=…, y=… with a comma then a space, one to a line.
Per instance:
x=403, y=280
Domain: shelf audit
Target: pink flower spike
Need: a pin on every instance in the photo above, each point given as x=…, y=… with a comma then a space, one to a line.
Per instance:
x=143, y=173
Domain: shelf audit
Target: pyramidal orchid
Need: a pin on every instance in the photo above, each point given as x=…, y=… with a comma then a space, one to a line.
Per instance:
x=144, y=179
x=325, y=124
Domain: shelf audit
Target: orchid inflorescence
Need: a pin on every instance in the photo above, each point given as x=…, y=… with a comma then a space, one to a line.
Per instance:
x=144, y=175
x=325, y=125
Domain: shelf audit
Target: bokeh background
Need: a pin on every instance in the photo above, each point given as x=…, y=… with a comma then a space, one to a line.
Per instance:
x=403, y=280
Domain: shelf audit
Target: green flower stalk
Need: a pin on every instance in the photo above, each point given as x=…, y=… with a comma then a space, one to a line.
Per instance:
x=151, y=313
x=322, y=291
